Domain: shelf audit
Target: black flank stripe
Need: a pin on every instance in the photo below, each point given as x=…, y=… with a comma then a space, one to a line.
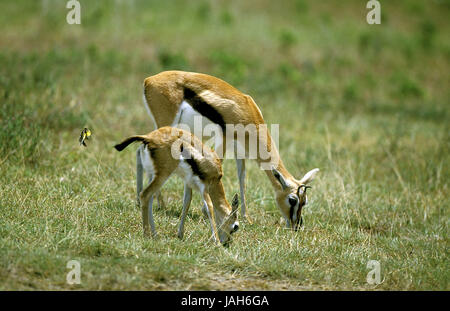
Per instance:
x=195, y=169
x=203, y=107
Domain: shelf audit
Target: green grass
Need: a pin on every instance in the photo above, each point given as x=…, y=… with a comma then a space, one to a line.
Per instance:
x=368, y=104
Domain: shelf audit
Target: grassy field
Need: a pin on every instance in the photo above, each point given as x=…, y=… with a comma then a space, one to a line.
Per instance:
x=367, y=104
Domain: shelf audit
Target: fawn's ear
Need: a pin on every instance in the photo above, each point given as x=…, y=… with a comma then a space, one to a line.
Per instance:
x=235, y=203
x=234, y=208
x=280, y=178
x=309, y=176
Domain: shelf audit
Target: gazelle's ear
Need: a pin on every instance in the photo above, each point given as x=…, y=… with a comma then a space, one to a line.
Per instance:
x=309, y=176
x=279, y=177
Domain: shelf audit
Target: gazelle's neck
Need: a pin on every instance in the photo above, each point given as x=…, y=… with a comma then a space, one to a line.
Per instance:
x=217, y=195
x=274, y=160
x=281, y=168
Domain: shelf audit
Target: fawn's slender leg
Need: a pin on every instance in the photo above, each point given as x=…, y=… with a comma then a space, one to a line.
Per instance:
x=187, y=197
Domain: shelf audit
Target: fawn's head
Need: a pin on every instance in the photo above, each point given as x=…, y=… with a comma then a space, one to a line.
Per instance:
x=230, y=223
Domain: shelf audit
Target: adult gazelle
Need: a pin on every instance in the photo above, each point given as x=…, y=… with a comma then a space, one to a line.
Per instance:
x=175, y=98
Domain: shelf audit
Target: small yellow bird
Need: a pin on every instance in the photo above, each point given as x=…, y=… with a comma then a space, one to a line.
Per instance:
x=84, y=135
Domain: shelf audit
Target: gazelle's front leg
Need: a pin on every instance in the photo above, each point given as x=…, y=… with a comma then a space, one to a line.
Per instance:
x=212, y=219
x=186, y=203
x=240, y=163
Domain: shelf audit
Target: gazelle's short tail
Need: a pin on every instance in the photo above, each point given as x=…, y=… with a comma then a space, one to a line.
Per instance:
x=129, y=140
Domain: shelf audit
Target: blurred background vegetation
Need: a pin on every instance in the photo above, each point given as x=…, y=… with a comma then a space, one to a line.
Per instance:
x=323, y=57
x=368, y=104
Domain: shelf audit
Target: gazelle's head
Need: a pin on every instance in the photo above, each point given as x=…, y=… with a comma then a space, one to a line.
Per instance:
x=291, y=196
x=229, y=224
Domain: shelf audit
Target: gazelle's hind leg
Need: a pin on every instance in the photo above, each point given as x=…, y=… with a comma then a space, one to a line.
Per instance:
x=140, y=180
x=139, y=175
x=146, y=199
x=160, y=198
x=158, y=195
x=187, y=197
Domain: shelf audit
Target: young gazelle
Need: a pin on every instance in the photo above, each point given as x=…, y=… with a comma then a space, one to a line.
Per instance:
x=171, y=150
x=177, y=97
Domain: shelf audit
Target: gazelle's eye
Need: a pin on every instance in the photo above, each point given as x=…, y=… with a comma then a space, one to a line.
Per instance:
x=292, y=201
